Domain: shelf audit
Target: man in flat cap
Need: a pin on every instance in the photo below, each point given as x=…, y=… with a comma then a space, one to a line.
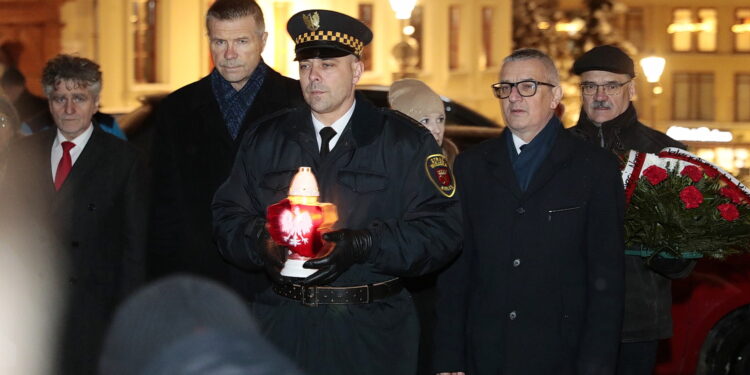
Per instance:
x=397, y=213
x=608, y=119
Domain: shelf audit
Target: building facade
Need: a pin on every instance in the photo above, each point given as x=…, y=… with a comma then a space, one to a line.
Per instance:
x=149, y=46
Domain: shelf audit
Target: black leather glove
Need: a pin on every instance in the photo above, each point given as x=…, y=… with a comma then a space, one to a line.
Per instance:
x=272, y=254
x=351, y=246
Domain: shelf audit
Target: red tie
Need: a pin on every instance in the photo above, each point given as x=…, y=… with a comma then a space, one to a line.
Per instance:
x=66, y=163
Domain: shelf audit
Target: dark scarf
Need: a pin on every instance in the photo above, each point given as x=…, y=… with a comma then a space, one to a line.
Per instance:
x=234, y=104
x=527, y=162
x=609, y=135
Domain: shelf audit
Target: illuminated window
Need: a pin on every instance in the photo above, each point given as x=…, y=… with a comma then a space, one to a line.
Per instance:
x=143, y=18
x=634, y=27
x=454, y=26
x=742, y=99
x=365, y=15
x=693, y=31
x=706, y=33
x=741, y=30
x=487, y=14
x=693, y=96
x=682, y=38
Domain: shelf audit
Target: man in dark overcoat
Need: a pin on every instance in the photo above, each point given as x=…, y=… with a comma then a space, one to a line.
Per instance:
x=608, y=119
x=397, y=214
x=198, y=130
x=538, y=288
x=87, y=191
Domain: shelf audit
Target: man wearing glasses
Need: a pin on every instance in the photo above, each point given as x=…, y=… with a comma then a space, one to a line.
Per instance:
x=609, y=120
x=539, y=286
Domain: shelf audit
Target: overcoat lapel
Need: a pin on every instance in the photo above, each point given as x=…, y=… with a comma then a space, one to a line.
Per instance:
x=498, y=162
x=207, y=107
x=361, y=130
x=557, y=159
x=86, y=165
x=266, y=98
x=46, y=182
x=303, y=131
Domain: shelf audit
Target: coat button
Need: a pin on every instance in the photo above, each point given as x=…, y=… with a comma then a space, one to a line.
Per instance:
x=516, y=262
x=92, y=207
x=512, y=315
x=520, y=210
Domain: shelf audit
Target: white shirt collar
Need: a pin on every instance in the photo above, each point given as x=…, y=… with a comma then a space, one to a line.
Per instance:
x=79, y=141
x=338, y=125
x=518, y=142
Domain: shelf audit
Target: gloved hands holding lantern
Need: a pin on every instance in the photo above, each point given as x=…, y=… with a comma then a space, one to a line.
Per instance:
x=298, y=222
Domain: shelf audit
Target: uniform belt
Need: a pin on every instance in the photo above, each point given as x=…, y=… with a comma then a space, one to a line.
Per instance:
x=333, y=295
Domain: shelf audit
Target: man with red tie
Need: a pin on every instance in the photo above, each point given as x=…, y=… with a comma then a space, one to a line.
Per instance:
x=83, y=191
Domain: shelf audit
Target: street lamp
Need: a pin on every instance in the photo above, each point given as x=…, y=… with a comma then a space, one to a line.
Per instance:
x=403, y=8
x=406, y=52
x=653, y=67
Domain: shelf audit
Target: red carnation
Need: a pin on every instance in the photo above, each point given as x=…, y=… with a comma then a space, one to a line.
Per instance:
x=691, y=197
x=693, y=172
x=728, y=211
x=711, y=172
x=655, y=174
x=732, y=193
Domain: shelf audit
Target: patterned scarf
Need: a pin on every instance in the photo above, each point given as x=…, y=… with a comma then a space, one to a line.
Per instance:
x=234, y=104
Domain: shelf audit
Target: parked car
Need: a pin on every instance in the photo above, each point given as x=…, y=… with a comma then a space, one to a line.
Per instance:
x=711, y=314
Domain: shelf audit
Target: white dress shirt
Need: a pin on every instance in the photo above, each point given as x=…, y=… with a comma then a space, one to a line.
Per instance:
x=518, y=142
x=75, y=152
x=337, y=125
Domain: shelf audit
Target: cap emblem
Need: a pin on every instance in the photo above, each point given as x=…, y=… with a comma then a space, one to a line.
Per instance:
x=312, y=21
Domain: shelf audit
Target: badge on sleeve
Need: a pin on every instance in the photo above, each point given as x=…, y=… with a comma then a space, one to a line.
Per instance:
x=438, y=171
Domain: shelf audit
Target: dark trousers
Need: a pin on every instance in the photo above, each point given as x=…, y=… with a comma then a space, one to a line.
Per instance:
x=637, y=358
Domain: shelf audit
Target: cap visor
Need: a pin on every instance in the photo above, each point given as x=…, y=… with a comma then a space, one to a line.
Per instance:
x=320, y=53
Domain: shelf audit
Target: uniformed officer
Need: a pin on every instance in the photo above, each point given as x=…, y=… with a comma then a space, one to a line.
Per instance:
x=397, y=212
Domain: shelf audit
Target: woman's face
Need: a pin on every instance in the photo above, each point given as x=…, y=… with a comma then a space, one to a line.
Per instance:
x=435, y=122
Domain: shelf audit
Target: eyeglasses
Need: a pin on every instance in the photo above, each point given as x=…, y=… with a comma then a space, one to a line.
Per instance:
x=610, y=88
x=525, y=88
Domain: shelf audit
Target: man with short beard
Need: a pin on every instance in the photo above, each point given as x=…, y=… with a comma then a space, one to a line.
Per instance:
x=609, y=120
x=397, y=213
x=198, y=130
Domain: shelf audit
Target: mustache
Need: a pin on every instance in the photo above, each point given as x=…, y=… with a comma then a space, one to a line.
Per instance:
x=600, y=104
x=315, y=87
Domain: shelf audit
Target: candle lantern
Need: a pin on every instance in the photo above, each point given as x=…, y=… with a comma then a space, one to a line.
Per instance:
x=298, y=223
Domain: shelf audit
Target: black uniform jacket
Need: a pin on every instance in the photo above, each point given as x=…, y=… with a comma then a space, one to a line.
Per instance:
x=97, y=219
x=192, y=155
x=538, y=288
x=648, y=289
x=376, y=175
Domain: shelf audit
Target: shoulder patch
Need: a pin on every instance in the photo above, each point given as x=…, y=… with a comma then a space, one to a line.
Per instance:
x=439, y=173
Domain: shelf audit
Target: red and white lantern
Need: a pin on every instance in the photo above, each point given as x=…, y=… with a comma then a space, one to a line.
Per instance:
x=299, y=221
